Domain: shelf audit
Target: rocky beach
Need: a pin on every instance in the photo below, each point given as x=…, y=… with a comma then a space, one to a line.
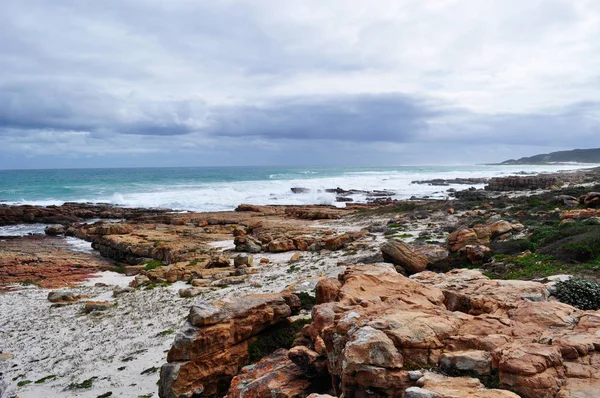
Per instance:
x=461, y=296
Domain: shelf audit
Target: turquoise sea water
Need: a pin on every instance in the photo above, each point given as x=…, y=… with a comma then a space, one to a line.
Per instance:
x=223, y=188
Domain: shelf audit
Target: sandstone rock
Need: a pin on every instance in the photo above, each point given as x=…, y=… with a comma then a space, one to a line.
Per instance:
x=411, y=258
x=273, y=376
x=295, y=257
x=591, y=199
x=281, y=245
x=476, y=253
x=327, y=290
x=63, y=297
x=212, y=346
x=566, y=200
x=472, y=361
x=264, y=260
x=243, y=259
x=200, y=282
x=92, y=306
x=140, y=280
x=338, y=242
x=192, y=291
x=499, y=228
x=453, y=387
x=231, y=280
x=521, y=183
x=54, y=230
x=122, y=290
x=220, y=262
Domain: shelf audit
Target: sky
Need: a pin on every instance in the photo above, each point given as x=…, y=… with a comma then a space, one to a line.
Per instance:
x=295, y=82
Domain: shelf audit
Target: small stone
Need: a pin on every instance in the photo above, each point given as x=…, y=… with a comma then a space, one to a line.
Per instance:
x=415, y=375
x=243, y=259
x=92, y=306
x=295, y=257
x=264, y=260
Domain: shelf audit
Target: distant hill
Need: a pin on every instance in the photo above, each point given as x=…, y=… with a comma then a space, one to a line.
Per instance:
x=575, y=155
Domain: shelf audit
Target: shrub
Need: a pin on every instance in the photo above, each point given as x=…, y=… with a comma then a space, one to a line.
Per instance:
x=152, y=264
x=579, y=292
x=278, y=336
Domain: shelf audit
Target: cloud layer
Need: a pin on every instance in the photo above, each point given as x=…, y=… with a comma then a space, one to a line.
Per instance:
x=234, y=82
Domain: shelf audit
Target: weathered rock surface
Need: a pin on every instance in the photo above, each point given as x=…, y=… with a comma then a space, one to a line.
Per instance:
x=381, y=323
x=45, y=261
x=481, y=235
x=412, y=258
x=590, y=199
x=521, y=183
x=273, y=376
x=212, y=346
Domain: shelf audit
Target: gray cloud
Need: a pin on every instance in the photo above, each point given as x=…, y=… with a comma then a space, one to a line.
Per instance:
x=195, y=78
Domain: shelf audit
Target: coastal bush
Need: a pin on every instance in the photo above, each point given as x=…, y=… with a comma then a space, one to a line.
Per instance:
x=579, y=292
x=84, y=384
x=515, y=246
x=152, y=264
x=307, y=301
x=278, y=336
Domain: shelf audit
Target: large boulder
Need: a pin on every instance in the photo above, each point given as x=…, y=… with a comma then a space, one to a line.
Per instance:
x=376, y=326
x=412, y=258
x=212, y=346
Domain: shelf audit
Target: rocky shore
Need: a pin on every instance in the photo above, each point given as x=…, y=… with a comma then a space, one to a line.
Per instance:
x=419, y=298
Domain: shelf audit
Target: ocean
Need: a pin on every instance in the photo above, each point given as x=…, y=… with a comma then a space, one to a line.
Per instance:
x=223, y=188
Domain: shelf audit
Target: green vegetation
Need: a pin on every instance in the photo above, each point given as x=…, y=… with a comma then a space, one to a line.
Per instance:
x=307, y=300
x=45, y=379
x=579, y=292
x=105, y=395
x=148, y=371
x=165, y=333
x=152, y=264
x=278, y=336
x=155, y=285
x=23, y=383
x=84, y=384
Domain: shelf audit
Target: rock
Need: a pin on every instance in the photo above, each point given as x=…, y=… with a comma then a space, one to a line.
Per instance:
x=521, y=183
x=63, y=297
x=413, y=259
x=231, y=280
x=477, y=236
x=591, y=199
x=92, y=306
x=338, y=242
x=243, y=260
x=139, y=281
x=300, y=190
x=220, y=262
x=264, y=260
x=273, y=376
x=54, y=230
x=295, y=257
x=418, y=392
x=471, y=361
x=212, y=347
x=476, y=253
x=281, y=245
x=122, y=290
x=566, y=200
x=499, y=228
x=193, y=291
x=327, y=290
x=200, y=282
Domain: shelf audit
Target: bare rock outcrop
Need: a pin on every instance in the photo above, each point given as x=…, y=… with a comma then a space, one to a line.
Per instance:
x=521, y=183
x=412, y=258
x=381, y=325
x=212, y=347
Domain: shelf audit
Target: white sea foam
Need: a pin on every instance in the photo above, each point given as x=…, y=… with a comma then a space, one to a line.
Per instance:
x=276, y=189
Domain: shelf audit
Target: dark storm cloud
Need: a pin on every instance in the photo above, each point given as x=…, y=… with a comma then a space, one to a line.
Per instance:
x=386, y=117
x=75, y=108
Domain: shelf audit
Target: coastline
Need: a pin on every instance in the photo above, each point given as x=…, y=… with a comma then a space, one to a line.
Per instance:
x=145, y=320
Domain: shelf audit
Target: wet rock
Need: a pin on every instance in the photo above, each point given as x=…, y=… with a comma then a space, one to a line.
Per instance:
x=54, y=230
x=521, y=183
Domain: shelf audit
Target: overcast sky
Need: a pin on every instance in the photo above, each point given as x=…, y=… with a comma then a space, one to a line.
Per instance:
x=295, y=82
